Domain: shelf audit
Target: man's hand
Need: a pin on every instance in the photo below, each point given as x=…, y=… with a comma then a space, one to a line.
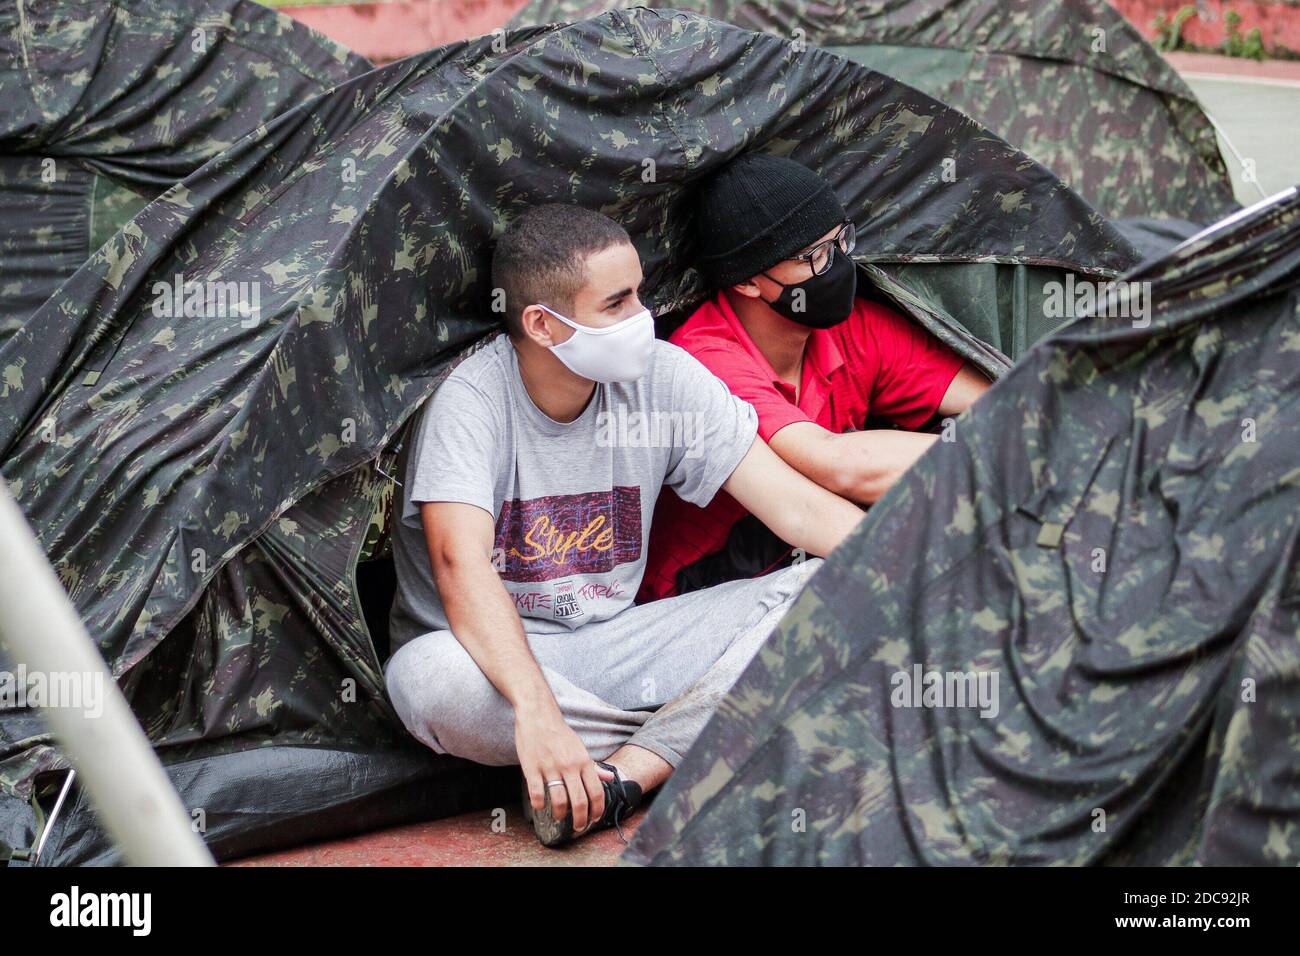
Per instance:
x=550, y=752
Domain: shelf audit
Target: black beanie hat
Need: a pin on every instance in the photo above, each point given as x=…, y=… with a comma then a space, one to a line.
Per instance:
x=757, y=210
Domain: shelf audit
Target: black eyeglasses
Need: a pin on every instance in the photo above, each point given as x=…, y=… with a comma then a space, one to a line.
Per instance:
x=820, y=256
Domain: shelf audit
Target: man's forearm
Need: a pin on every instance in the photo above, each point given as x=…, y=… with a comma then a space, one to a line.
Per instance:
x=874, y=460
x=483, y=618
x=819, y=521
x=964, y=391
x=797, y=509
x=555, y=762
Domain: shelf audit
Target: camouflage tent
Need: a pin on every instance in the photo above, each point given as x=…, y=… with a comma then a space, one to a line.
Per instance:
x=1115, y=536
x=1070, y=82
x=106, y=103
x=211, y=483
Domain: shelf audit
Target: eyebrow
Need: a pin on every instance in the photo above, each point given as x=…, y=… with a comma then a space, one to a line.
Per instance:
x=615, y=296
x=811, y=246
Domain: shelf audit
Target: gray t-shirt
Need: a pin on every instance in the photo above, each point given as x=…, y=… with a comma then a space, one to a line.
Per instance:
x=572, y=502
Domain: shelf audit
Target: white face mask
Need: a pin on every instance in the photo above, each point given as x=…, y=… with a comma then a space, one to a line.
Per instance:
x=617, y=353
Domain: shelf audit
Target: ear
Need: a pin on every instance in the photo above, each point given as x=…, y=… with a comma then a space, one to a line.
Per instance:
x=536, y=326
x=749, y=288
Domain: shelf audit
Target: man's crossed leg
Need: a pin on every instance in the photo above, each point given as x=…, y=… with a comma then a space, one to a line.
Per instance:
x=637, y=688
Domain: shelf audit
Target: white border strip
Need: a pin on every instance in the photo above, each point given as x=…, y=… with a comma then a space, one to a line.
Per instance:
x=1240, y=78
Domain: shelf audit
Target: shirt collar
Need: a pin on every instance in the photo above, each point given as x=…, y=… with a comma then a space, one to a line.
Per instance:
x=822, y=356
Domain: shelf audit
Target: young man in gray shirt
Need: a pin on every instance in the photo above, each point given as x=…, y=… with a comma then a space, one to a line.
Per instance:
x=527, y=503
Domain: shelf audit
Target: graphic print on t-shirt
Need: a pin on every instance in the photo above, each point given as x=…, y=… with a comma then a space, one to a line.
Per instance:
x=555, y=536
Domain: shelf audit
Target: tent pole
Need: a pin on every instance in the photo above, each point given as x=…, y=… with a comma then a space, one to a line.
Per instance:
x=1233, y=149
x=125, y=781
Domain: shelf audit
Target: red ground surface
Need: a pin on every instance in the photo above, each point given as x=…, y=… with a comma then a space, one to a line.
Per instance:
x=467, y=840
x=1212, y=64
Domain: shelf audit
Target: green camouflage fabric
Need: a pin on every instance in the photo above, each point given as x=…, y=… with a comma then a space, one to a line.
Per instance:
x=104, y=104
x=205, y=484
x=1070, y=82
x=1115, y=532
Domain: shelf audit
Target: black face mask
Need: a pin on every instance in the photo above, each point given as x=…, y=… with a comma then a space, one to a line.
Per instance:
x=827, y=299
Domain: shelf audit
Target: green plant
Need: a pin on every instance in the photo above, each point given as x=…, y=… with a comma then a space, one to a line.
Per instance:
x=1169, y=33
x=1255, y=45
x=1234, y=44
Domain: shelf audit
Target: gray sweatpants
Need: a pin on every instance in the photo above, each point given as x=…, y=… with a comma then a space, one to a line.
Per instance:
x=652, y=675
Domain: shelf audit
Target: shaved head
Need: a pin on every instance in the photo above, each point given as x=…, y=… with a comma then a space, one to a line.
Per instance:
x=541, y=257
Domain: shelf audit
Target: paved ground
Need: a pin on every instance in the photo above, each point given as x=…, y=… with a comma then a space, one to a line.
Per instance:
x=1257, y=105
x=468, y=840
x=1252, y=116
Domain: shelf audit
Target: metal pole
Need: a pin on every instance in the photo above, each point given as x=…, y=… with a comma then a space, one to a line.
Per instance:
x=54, y=815
x=125, y=781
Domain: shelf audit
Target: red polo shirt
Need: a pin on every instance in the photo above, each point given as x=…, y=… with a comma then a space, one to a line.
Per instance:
x=876, y=364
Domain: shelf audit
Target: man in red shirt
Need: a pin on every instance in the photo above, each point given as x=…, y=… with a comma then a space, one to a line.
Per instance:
x=787, y=332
